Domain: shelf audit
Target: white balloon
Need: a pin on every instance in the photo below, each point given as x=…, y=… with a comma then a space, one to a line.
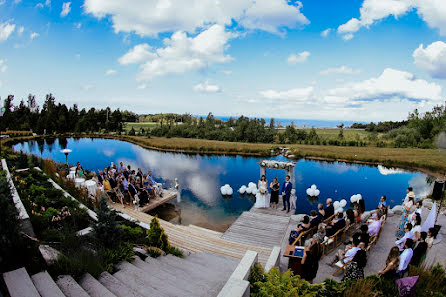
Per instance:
x=223, y=191
x=359, y=196
x=293, y=191
x=343, y=203
x=317, y=192
x=340, y=209
x=251, y=185
x=309, y=192
x=242, y=189
x=313, y=187
x=229, y=191
x=248, y=190
x=336, y=204
x=254, y=191
x=353, y=199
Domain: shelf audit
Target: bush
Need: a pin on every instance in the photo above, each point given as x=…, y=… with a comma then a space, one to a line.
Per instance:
x=156, y=236
x=133, y=234
x=175, y=252
x=154, y=252
x=106, y=229
x=256, y=276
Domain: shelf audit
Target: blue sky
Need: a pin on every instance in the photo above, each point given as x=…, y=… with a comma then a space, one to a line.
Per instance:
x=377, y=60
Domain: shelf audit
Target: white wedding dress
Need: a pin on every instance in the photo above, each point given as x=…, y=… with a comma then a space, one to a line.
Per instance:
x=262, y=200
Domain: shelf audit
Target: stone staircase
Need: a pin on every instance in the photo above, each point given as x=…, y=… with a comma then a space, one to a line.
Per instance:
x=199, y=274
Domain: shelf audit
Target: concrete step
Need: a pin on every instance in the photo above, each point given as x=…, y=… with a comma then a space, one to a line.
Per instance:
x=70, y=287
x=46, y=286
x=142, y=282
x=172, y=277
x=208, y=259
x=19, y=283
x=117, y=287
x=93, y=287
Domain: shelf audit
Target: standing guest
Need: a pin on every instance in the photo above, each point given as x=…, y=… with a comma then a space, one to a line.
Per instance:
x=420, y=250
x=410, y=194
x=407, y=235
x=329, y=210
x=310, y=260
x=382, y=202
x=375, y=225
x=262, y=194
x=404, y=217
x=405, y=258
x=317, y=219
x=286, y=193
x=320, y=234
x=431, y=235
x=336, y=224
x=355, y=269
x=275, y=187
x=392, y=263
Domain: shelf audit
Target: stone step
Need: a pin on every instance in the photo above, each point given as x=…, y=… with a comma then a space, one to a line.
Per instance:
x=70, y=287
x=93, y=287
x=46, y=286
x=212, y=260
x=146, y=284
x=117, y=287
x=19, y=283
x=172, y=277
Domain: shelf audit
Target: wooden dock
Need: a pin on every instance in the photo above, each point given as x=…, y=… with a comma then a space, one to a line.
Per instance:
x=155, y=202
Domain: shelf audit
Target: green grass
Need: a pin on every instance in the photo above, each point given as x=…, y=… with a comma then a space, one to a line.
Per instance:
x=128, y=126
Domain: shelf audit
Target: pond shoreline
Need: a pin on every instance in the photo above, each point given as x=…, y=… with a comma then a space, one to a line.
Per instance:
x=439, y=173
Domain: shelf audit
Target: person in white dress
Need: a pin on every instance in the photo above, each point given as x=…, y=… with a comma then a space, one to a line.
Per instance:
x=262, y=197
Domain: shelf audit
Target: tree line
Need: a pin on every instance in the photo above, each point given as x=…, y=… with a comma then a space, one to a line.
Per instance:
x=58, y=118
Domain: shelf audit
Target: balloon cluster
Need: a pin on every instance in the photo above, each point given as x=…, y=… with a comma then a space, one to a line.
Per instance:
x=313, y=191
x=250, y=189
x=226, y=190
x=355, y=198
x=339, y=205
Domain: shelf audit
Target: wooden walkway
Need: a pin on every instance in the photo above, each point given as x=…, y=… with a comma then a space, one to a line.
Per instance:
x=155, y=202
x=258, y=229
x=197, y=239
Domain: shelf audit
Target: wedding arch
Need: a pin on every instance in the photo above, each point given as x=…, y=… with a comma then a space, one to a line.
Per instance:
x=272, y=164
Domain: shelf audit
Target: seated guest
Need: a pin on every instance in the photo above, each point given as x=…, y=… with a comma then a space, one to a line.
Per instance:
x=150, y=179
x=392, y=263
x=112, y=180
x=79, y=170
x=317, y=219
x=431, y=235
x=410, y=194
x=139, y=173
x=350, y=217
x=357, y=212
x=142, y=193
x=419, y=207
x=146, y=185
x=320, y=210
x=416, y=229
x=101, y=177
x=405, y=257
x=336, y=224
x=329, y=209
x=320, y=234
x=375, y=226
x=363, y=235
x=355, y=269
x=407, y=235
x=121, y=167
x=382, y=202
x=347, y=254
x=420, y=250
x=132, y=189
x=96, y=179
x=302, y=227
x=126, y=173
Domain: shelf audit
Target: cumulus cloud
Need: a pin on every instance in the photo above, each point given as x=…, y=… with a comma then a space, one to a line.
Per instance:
x=432, y=59
x=6, y=30
x=348, y=36
x=34, y=35
x=207, y=88
x=151, y=17
x=390, y=84
x=110, y=72
x=298, y=58
x=180, y=53
x=3, y=66
x=326, y=32
x=340, y=70
x=296, y=95
x=431, y=11
x=20, y=30
x=66, y=8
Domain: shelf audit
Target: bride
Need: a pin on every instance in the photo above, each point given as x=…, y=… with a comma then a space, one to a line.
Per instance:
x=262, y=197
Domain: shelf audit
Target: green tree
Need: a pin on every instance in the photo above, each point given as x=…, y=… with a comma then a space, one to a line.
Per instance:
x=156, y=236
x=106, y=229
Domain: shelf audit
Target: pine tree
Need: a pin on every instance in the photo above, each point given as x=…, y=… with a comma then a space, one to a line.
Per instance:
x=156, y=236
x=106, y=228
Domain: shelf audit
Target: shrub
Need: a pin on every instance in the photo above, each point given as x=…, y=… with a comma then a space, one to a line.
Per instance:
x=133, y=234
x=154, y=252
x=175, y=252
x=432, y=279
x=363, y=288
x=156, y=236
x=106, y=228
x=256, y=276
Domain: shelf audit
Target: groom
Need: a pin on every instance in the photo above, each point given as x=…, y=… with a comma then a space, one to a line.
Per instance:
x=286, y=192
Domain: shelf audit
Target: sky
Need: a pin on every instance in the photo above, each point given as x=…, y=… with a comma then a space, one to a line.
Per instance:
x=355, y=60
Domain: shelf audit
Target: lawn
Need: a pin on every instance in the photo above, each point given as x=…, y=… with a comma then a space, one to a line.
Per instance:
x=128, y=125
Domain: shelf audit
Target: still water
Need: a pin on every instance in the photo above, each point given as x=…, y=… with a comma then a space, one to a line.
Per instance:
x=201, y=176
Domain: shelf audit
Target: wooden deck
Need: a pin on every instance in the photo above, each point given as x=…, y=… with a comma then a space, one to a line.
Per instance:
x=258, y=229
x=197, y=239
x=155, y=202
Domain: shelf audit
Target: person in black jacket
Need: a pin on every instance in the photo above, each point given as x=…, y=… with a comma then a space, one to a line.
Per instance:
x=420, y=250
x=329, y=210
x=337, y=224
x=317, y=219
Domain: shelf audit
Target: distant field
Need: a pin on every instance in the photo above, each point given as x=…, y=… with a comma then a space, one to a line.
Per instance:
x=128, y=126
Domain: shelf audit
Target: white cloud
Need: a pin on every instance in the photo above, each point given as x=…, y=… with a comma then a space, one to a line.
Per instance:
x=347, y=36
x=299, y=58
x=20, y=30
x=296, y=95
x=390, y=84
x=110, y=72
x=340, y=70
x=66, y=8
x=180, y=53
x=34, y=35
x=6, y=30
x=150, y=17
x=432, y=59
x=207, y=88
x=227, y=72
x=326, y=32
x=78, y=25
x=431, y=11
x=3, y=67
x=138, y=54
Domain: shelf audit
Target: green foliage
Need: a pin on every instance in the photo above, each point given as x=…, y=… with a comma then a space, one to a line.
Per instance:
x=133, y=234
x=123, y=252
x=363, y=288
x=175, y=252
x=132, y=132
x=156, y=236
x=432, y=279
x=256, y=277
x=106, y=229
x=153, y=252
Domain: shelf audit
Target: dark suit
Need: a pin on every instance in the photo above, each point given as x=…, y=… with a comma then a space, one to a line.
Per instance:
x=286, y=189
x=340, y=223
x=418, y=253
x=329, y=211
x=316, y=221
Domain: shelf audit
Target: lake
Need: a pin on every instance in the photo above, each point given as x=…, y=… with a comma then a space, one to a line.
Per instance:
x=201, y=176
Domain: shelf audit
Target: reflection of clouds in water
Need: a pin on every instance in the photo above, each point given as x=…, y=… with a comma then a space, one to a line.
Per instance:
x=108, y=153
x=420, y=187
x=200, y=179
x=386, y=171
x=338, y=167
